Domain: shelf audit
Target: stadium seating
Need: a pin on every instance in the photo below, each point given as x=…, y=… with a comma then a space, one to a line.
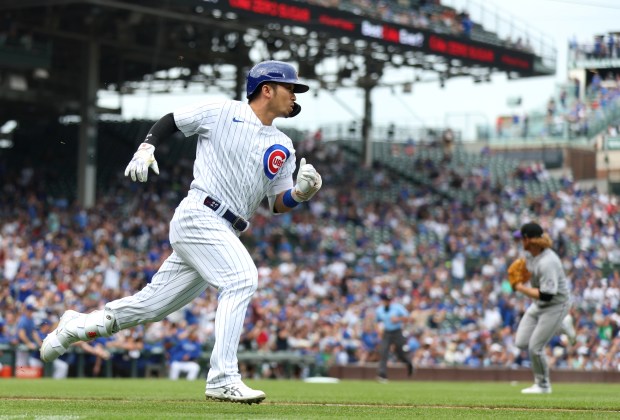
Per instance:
x=410, y=241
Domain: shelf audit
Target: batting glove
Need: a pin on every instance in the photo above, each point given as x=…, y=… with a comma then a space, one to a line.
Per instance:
x=142, y=160
x=308, y=182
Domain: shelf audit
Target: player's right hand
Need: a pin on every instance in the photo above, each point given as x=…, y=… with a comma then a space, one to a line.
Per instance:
x=142, y=160
x=308, y=181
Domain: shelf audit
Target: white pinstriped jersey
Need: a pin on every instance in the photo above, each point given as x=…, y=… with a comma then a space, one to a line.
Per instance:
x=239, y=160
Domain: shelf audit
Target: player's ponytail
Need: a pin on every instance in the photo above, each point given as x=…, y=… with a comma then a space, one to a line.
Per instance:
x=543, y=242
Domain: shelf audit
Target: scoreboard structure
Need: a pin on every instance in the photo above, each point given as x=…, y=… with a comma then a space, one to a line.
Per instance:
x=406, y=39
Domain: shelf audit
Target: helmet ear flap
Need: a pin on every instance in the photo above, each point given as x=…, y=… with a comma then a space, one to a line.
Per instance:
x=296, y=110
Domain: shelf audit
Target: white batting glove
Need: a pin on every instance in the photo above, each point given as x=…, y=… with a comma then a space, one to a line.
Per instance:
x=308, y=182
x=142, y=160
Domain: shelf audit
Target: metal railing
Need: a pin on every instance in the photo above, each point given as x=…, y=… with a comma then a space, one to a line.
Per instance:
x=511, y=32
x=386, y=132
x=155, y=358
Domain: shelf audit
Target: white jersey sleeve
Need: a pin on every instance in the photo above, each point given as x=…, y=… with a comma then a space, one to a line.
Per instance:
x=197, y=118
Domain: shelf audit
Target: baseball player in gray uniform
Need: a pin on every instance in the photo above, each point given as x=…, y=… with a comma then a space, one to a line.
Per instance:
x=549, y=288
x=241, y=158
x=567, y=327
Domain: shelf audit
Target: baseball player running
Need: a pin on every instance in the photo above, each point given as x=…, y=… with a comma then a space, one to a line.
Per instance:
x=241, y=157
x=549, y=289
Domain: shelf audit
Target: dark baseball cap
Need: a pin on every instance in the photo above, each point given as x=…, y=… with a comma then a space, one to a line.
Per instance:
x=385, y=296
x=531, y=230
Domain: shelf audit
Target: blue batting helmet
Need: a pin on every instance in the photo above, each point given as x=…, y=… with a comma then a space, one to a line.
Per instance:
x=273, y=71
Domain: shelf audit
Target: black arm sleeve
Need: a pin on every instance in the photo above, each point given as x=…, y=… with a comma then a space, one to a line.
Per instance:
x=162, y=129
x=545, y=297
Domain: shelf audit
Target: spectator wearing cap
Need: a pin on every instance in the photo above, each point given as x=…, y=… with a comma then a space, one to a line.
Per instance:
x=27, y=336
x=184, y=355
x=391, y=316
x=549, y=291
x=496, y=356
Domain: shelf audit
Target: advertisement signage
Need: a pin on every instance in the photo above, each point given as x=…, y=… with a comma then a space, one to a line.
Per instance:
x=342, y=23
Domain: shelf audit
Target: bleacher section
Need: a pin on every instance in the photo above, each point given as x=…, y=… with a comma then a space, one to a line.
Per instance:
x=380, y=220
x=410, y=172
x=117, y=141
x=500, y=170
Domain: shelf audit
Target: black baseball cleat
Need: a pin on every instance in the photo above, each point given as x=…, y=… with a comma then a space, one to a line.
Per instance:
x=409, y=369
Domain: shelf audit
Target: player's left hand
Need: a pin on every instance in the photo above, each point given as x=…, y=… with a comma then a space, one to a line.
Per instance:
x=518, y=273
x=142, y=160
x=309, y=181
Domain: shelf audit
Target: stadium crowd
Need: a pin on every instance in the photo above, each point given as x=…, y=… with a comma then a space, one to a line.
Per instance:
x=321, y=272
x=417, y=13
x=601, y=46
x=570, y=113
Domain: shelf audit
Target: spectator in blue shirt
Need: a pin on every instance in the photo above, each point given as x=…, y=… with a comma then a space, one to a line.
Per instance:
x=4, y=336
x=466, y=24
x=184, y=355
x=370, y=344
x=9, y=330
x=392, y=315
x=27, y=336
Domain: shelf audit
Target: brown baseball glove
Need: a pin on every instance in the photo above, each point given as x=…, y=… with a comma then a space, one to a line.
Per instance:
x=517, y=272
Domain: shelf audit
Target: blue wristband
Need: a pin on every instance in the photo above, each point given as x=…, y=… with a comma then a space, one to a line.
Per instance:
x=288, y=199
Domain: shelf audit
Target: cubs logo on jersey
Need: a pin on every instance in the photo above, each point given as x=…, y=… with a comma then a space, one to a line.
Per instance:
x=274, y=159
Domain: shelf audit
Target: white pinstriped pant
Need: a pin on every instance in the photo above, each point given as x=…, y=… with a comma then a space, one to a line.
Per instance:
x=207, y=251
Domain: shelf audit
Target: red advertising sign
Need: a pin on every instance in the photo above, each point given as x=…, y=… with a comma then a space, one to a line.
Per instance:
x=408, y=38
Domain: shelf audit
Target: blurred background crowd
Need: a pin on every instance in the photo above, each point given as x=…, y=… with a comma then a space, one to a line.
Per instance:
x=428, y=223
x=323, y=268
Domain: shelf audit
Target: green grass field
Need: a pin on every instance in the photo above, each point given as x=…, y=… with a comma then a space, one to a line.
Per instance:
x=290, y=399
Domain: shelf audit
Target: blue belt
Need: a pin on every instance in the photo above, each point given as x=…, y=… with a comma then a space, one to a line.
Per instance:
x=238, y=222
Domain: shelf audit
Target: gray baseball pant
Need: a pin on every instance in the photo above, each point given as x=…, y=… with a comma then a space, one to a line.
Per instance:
x=535, y=330
x=392, y=337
